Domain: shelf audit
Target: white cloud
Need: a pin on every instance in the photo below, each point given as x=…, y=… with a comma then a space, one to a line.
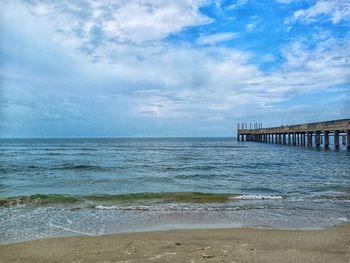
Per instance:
x=123, y=20
x=268, y=58
x=159, y=106
x=216, y=38
x=220, y=82
x=286, y=1
x=336, y=10
x=323, y=68
x=238, y=4
x=250, y=26
x=153, y=20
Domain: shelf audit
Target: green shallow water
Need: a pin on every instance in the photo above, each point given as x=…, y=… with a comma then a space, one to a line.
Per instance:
x=188, y=197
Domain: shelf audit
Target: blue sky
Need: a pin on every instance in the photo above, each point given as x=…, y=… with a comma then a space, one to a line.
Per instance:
x=89, y=68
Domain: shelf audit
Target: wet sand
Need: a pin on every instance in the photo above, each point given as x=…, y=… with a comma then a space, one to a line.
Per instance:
x=205, y=245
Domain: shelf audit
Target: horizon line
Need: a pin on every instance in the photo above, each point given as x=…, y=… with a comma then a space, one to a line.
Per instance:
x=119, y=137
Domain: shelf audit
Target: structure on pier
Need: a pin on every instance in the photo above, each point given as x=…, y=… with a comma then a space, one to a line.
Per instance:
x=302, y=134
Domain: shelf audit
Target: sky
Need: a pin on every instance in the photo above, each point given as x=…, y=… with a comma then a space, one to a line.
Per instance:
x=139, y=68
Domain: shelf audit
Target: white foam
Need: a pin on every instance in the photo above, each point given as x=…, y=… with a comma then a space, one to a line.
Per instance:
x=70, y=230
x=257, y=197
x=102, y=207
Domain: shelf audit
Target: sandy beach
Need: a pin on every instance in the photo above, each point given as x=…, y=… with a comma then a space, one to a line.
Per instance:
x=201, y=245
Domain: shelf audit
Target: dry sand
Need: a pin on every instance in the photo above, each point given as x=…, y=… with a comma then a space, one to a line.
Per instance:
x=207, y=245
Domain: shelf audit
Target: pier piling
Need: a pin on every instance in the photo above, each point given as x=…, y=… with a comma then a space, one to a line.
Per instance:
x=317, y=138
x=326, y=139
x=309, y=138
x=303, y=139
x=336, y=139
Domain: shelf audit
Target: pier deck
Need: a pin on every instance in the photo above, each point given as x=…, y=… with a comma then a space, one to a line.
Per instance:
x=300, y=134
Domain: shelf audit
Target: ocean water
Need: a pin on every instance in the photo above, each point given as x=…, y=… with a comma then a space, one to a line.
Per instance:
x=62, y=187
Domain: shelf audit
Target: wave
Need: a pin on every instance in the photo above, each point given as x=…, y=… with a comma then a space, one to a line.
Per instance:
x=64, y=166
x=183, y=208
x=189, y=168
x=257, y=197
x=151, y=198
x=176, y=197
x=175, y=147
x=85, y=167
x=336, y=197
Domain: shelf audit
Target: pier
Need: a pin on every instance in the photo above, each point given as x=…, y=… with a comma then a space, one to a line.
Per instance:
x=307, y=134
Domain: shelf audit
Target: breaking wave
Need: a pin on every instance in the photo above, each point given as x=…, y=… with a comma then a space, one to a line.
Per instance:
x=257, y=197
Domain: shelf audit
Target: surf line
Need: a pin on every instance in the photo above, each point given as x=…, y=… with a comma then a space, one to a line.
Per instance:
x=71, y=230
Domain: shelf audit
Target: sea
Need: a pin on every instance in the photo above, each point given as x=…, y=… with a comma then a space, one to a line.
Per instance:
x=65, y=187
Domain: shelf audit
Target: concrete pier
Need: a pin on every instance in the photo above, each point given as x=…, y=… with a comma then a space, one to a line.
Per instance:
x=299, y=135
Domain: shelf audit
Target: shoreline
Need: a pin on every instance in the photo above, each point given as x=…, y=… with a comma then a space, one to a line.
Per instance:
x=189, y=245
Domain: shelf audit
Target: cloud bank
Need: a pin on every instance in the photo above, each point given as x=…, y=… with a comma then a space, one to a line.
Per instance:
x=111, y=68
